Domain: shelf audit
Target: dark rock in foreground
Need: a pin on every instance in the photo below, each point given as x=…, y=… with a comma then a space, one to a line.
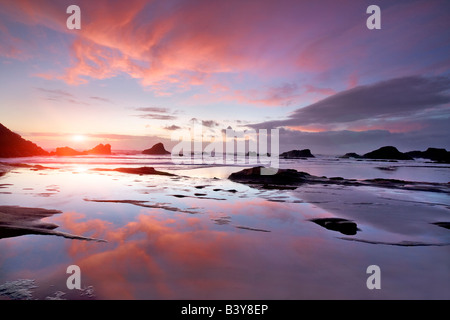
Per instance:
x=6, y=166
x=295, y=154
x=387, y=153
x=13, y=145
x=337, y=224
x=443, y=224
x=17, y=221
x=434, y=154
x=281, y=177
x=156, y=149
x=290, y=179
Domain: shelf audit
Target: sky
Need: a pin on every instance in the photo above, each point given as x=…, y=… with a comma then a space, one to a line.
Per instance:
x=137, y=71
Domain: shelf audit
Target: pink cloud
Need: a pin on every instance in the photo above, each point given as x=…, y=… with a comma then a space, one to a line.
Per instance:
x=168, y=47
x=173, y=47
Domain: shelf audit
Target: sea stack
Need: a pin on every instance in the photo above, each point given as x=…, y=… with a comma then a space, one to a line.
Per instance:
x=434, y=154
x=156, y=149
x=295, y=154
x=66, y=152
x=101, y=149
x=351, y=155
x=13, y=145
x=387, y=153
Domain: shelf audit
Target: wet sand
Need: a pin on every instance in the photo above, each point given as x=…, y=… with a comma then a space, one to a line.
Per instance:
x=17, y=221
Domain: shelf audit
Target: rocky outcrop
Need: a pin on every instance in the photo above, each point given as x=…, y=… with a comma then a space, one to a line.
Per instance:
x=291, y=178
x=387, y=153
x=351, y=155
x=295, y=154
x=13, y=145
x=67, y=152
x=281, y=177
x=157, y=149
x=101, y=150
x=434, y=154
x=16, y=221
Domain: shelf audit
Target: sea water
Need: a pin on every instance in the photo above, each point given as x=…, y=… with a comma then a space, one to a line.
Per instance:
x=198, y=235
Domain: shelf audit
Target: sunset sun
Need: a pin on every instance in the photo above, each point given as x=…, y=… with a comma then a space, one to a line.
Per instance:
x=78, y=138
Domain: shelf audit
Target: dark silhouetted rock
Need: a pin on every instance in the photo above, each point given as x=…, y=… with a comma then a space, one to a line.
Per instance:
x=295, y=154
x=290, y=179
x=443, y=224
x=344, y=226
x=13, y=145
x=156, y=149
x=281, y=177
x=434, y=154
x=101, y=149
x=67, y=152
x=387, y=153
x=351, y=155
x=17, y=221
x=140, y=171
x=415, y=154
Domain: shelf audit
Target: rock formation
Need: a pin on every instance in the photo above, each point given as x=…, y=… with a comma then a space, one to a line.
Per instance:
x=351, y=155
x=69, y=152
x=295, y=154
x=13, y=145
x=100, y=150
x=434, y=154
x=387, y=153
x=156, y=149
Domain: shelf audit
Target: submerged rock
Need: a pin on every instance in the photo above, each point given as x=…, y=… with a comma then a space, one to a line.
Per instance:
x=156, y=149
x=139, y=170
x=295, y=154
x=387, y=153
x=344, y=226
x=21, y=289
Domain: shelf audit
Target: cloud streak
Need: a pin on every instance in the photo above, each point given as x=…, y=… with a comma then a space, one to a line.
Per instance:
x=376, y=103
x=61, y=96
x=156, y=113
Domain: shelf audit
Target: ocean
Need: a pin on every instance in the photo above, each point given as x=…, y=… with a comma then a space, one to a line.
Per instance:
x=196, y=234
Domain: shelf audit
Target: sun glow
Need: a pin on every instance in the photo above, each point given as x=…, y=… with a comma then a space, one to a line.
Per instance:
x=78, y=138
